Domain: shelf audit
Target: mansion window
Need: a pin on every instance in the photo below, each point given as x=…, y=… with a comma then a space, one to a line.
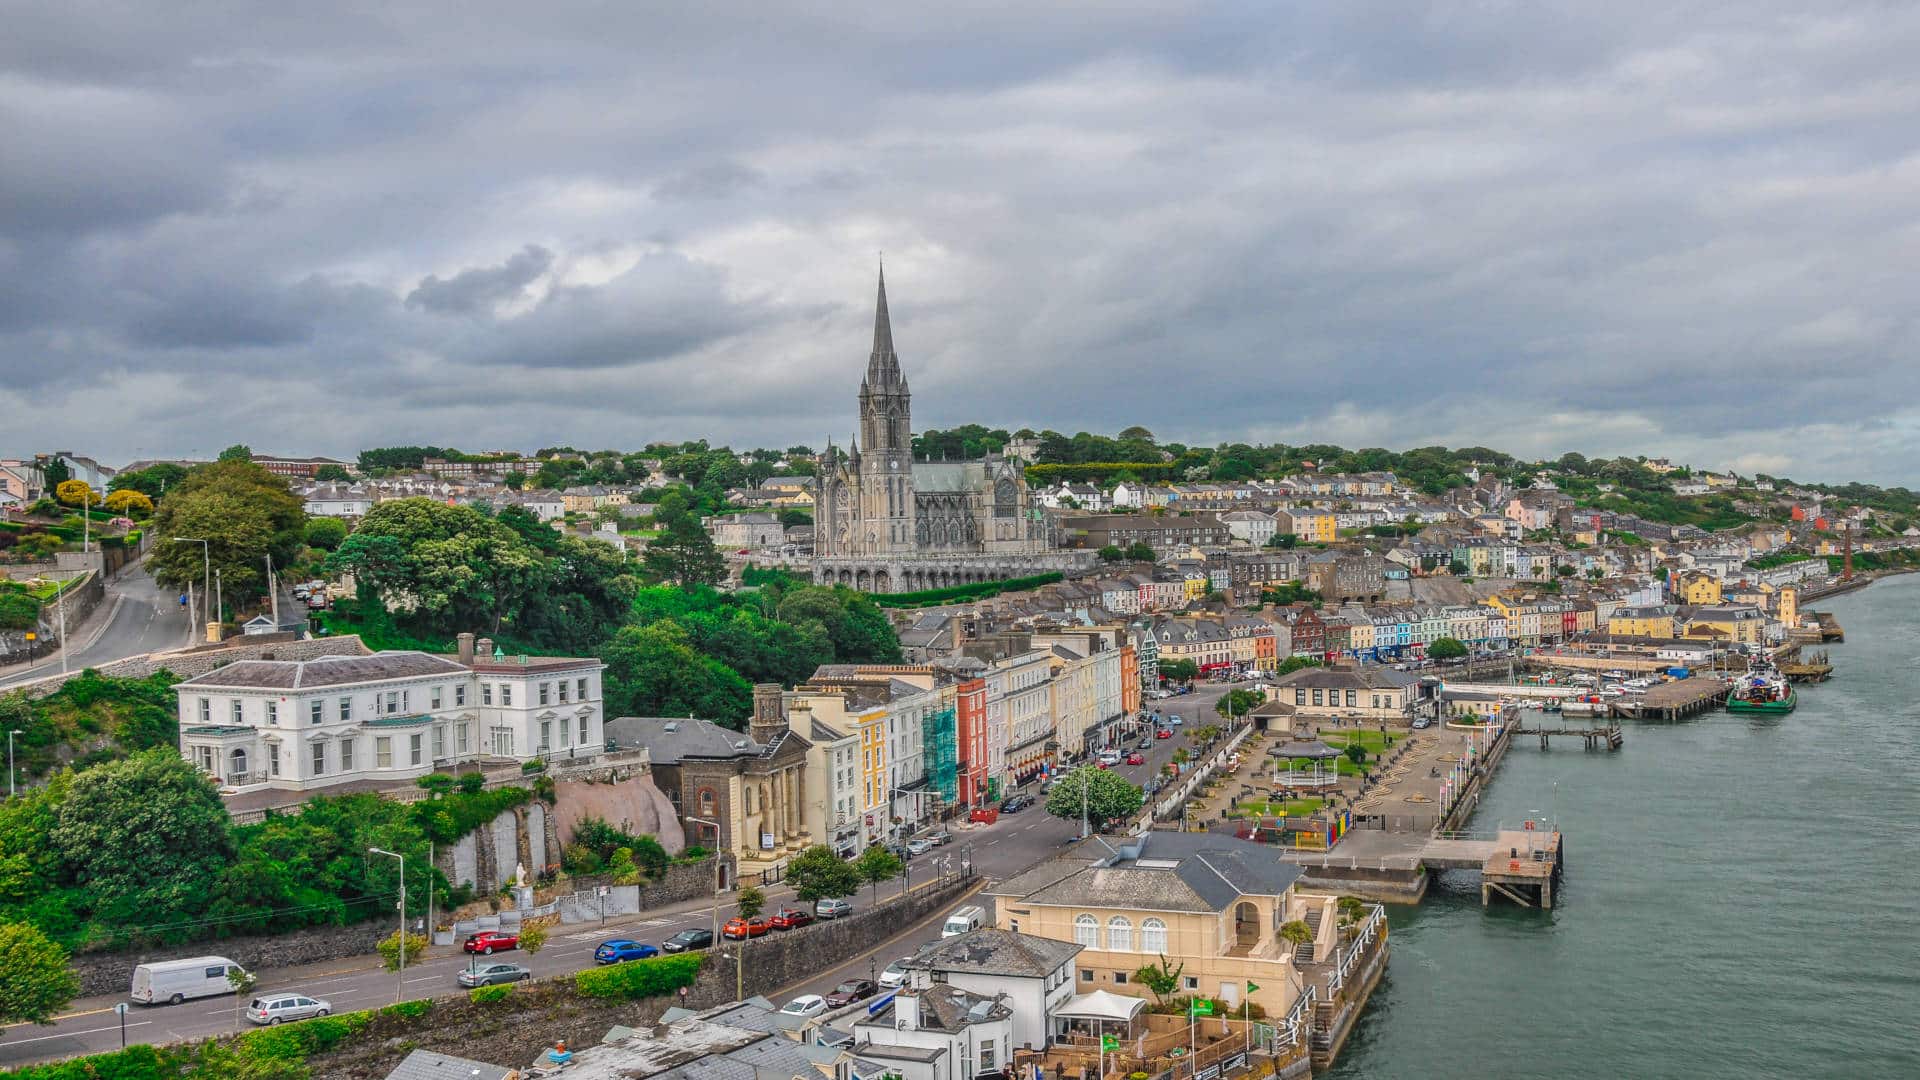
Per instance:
x=1153, y=936
x=433, y=698
x=1119, y=934
x=581, y=686
x=234, y=707
x=273, y=713
x=346, y=755
x=459, y=695
x=546, y=690
x=319, y=758
x=383, y=752
x=506, y=694
x=346, y=708
x=203, y=757
x=416, y=747
x=460, y=739
x=1086, y=931
x=583, y=731
x=317, y=711
x=273, y=759
x=486, y=693
x=206, y=711
x=563, y=693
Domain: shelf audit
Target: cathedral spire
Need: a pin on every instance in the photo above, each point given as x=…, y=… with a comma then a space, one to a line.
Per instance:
x=883, y=367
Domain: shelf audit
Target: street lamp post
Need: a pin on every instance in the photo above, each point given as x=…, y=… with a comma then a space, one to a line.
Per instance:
x=206, y=570
x=10, y=735
x=716, y=872
x=399, y=984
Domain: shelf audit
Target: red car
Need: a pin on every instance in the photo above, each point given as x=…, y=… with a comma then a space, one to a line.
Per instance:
x=1163, y=733
x=1136, y=758
x=488, y=942
x=791, y=918
x=738, y=929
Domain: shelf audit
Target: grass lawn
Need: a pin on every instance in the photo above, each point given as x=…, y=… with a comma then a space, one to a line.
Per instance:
x=1285, y=808
x=51, y=589
x=1374, y=741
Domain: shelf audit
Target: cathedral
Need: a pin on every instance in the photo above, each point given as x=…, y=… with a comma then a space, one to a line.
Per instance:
x=884, y=522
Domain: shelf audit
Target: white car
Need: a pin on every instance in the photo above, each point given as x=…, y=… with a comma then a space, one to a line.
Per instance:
x=808, y=1005
x=919, y=846
x=894, y=975
x=279, y=1008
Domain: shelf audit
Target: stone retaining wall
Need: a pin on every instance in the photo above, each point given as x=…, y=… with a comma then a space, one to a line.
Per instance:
x=81, y=601
x=112, y=972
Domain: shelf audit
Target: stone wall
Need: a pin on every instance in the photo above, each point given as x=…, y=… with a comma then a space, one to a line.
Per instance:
x=112, y=973
x=81, y=602
x=513, y=1032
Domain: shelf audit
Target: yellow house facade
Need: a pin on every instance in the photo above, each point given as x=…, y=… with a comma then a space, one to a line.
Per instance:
x=1212, y=903
x=1695, y=588
x=1310, y=526
x=1655, y=621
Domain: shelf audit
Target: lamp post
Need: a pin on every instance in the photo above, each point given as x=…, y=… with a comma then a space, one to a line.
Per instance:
x=206, y=570
x=10, y=735
x=399, y=984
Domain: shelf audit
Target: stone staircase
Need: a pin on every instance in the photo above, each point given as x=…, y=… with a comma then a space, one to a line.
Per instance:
x=1303, y=954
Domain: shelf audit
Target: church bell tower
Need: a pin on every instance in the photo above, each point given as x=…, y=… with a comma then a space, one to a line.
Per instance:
x=886, y=463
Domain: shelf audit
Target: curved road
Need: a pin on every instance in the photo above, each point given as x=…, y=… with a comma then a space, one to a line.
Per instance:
x=137, y=616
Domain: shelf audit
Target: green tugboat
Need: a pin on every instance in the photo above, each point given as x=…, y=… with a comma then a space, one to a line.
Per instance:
x=1762, y=690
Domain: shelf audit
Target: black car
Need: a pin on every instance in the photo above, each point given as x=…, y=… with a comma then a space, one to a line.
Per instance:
x=688, y=939
x=1015, y=804
x=849, y=992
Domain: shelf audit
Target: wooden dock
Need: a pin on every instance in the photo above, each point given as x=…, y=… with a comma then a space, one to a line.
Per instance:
x=1681, y=698
x=1608, y=738
x=1524, y=872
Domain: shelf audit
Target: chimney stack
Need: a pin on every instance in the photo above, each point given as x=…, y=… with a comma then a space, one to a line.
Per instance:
x=769, y=713
x=466, y=648
x=483, y=649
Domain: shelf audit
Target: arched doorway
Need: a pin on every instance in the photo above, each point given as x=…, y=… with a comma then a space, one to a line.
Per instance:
x=1246, y=925
x=237, y=763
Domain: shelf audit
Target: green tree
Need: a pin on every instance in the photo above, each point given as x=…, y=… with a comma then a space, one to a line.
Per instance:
x=332, y=474
x=750, y=900
x=1446, y=648
x=325, y=533
x=236, y=452
x=1138, y=551
x=1458, y=568
x=1112, y=553
x=1162, y=979
x=1236, y=704
x=1356, y=753
x=153, y=481
x=244, y=513
x=453, y=566
x=35, y=981
x=819, y=874
x=683, y=553
x=877, y=864
x=1294, y=663
x=147, y=838
x=242, y=981
x=533, y=939
x=1295, y=932
x=651, y=671
x=389, y=949
x=1108, y=796
x=54, y=472
x=1179, y=669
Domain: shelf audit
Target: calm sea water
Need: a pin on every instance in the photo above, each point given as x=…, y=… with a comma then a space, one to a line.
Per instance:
x=1742, y=897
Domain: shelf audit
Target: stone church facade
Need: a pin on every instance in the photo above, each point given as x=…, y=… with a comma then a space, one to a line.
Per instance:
x=884, y=522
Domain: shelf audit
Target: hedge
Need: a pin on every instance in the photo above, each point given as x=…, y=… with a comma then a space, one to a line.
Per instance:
x=637, y=979
x=978, y=590
x=274, y=1051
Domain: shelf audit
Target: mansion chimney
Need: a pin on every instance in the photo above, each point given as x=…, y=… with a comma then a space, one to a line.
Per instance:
x=466, y=648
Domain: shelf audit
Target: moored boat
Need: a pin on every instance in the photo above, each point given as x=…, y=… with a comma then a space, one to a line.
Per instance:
x=1763, y=689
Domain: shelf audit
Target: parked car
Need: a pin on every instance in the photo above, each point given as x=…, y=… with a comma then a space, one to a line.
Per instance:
x=1175, y=720
x=1146, y=743
x=1103, y=763
x=1015, y=804
x=894, y=975
x=488, y=974
x=806, y=1005
x=688, y=940
x=849, y=992
x=1163, y=733
x=919, y=845
x=175, y=981
x=488, y=942
x=739, y=929
x=1136, y=758
x=789, y=918
x=280, y=1008
x=941, y=837
x=1423, y=722
x=620, y=949
x=984, y=815
x=831, y=908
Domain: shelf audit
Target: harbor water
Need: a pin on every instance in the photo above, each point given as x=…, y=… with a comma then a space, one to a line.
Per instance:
x=1742, y=897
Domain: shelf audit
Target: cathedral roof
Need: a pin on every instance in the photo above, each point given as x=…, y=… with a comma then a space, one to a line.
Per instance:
x=883, y=367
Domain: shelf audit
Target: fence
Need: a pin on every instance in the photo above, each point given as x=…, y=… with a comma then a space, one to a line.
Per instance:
x=1363, y=940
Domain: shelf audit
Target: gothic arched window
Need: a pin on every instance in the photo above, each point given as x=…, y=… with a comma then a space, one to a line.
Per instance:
x=1006, y=499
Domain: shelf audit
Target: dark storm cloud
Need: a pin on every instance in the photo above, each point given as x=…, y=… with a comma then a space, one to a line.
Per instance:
x=472, y=290
x=1614, y=228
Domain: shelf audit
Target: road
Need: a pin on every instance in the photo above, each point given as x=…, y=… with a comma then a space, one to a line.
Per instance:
x=998, y=851
x=137, y=616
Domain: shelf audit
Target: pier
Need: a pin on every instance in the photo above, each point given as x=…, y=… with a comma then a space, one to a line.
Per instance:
x=1609, y=737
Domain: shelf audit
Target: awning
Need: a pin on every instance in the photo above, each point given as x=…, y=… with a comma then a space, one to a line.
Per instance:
x=1101, y=1005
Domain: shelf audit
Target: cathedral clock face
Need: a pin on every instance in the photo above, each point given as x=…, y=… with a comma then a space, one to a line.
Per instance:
x=893, y=464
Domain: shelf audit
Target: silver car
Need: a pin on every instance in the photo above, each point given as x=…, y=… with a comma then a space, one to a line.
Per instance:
x=277, y=1008
x=488, y=974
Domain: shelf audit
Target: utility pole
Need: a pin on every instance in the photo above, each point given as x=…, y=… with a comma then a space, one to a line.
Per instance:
x=219, y=603
x=62, y=607
x=273, y=592
x=206, y=570
x=399, y=984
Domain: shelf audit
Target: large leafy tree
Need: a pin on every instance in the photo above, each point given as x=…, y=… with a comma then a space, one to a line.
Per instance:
x=652, y=671
x=857, y=627
x=1107, y=795
x=35, y=981
x=147, y=837
x=683, y=553
x=877, y=864
x=1446, y=648
x=244, y=513
x=153, y=481
x=818, y=874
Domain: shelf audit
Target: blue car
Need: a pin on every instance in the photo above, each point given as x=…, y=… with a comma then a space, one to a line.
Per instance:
x=613, y=952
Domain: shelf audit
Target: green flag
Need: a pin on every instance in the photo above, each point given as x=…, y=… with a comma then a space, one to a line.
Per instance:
x=1251, y=988
x=1108, y=1042
x=1200, y=1007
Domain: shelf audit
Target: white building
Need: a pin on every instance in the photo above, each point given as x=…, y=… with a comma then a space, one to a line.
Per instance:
x=1019, y=716
x=312, y=724
x=1252, y=526
x=1035, y=974
x=748, y=529
x=932, y=1031
x=337, y=500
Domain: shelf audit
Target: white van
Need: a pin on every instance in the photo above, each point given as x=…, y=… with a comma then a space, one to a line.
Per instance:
x=175, y=981
x=964, y=921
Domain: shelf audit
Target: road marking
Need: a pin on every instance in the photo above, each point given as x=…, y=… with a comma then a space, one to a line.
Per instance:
x=73, y=1034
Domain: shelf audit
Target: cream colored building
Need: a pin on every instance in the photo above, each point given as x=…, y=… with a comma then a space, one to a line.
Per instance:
x=1210, y=902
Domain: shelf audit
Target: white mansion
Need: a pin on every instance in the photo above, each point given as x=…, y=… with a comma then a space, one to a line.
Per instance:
x=308, y=724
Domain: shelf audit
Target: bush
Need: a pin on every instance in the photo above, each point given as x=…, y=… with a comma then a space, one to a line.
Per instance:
x=534, y=766
x=979, y=590
x=638, y=979
x=438, y=783
x=472, y=783
x=484, y=995
x=390, y=949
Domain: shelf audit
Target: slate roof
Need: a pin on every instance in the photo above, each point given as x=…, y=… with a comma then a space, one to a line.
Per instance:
x=686, y=739
x=1209, y=873
x=997, y=952
x=433, y=1065
x=326, y=671
x=1340, y=678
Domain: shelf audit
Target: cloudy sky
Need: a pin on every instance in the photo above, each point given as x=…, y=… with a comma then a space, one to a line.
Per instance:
x=1630, y=227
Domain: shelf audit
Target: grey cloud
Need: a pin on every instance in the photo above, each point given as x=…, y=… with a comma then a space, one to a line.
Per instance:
x=474, y=290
